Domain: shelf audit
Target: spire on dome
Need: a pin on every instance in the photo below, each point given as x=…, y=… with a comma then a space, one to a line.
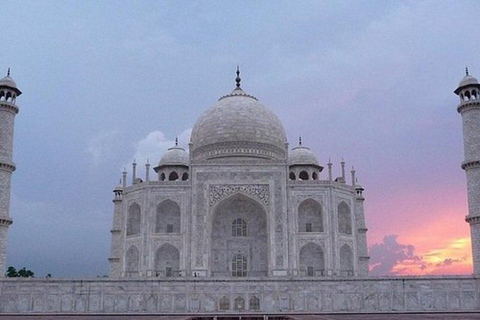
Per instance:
x=466, y=71
x=176, y=141
x=238, y=79
x=8, y=72
x=300, y=140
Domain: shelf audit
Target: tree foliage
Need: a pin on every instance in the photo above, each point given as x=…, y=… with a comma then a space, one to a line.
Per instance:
x=22, y=273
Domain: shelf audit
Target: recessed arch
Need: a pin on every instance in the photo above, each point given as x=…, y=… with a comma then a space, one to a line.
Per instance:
x=346, y=260
x=310, y=218
x=2, y=94
x=254, y=303
x=173, y=176
x=312, y=260
x=185, y=176
x=344, y=218
x=133, y=220
x=315, y=175
x=168, y=217
x=303, y=175
x=167, y=261
x=467, y=95
x=224, y=303
x=239, y=303
x=132, y=261
x=292, y=175
x=224, y=245
x=162, y=176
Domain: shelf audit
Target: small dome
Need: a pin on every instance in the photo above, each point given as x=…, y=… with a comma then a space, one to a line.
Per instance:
x=175, y=156
x=468, y=80
x=301, y=156
x=118, y=187
x=8, y=82
x=238, y=126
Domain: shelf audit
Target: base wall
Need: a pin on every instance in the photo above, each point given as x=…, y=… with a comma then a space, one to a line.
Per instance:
x=446, y=294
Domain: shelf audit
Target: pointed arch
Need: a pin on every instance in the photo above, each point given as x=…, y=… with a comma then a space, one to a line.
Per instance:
x=254, y=303
x=346, y=260
x=168, y=217
x=239, y=303
x=162, y=176
x=224, y=246
x=310, y=218
x=312, y=260
x=132, y=261
x=133, y=220
x=167, y=261
x=173, y=176
x=224, y=303
x=344, y=218
x=292, y=175
x=2, y=94
x=185, y=176
x=303, y=175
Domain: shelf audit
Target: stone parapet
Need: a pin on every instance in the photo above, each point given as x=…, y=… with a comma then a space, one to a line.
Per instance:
x=286, y=295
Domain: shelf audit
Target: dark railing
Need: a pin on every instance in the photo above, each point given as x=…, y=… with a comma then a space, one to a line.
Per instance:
x=249, y=274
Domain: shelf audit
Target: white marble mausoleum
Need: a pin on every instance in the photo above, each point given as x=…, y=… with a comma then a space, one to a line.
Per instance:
x=239, y=204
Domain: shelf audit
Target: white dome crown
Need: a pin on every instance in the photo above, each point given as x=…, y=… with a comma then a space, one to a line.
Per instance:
x=238, y=126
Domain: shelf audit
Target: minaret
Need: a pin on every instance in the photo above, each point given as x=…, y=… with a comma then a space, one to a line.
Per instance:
x=469, y=108
x=8, y=109
x=116, y=231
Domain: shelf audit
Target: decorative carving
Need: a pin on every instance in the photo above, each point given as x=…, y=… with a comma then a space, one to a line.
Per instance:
x=317, y=197
x=177, y=243
x=259, y=191
x=316, y=240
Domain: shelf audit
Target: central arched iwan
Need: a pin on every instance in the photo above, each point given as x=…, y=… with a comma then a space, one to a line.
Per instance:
x=252, y=242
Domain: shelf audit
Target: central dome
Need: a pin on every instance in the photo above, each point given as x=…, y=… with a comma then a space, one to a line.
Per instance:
x=238, y=126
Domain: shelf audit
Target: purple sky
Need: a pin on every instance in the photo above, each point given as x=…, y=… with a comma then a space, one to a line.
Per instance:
x=104, y=82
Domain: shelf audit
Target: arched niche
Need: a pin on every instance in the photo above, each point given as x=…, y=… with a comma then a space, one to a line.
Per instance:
x=167, y=261
x=173, y=176
x=310, y=218
x=133, y=220
x=168, y=217
x=303, y=175
x=225, y=245
x=346, y=260
x=312, y=260
x=344, y=219
x=132, y=261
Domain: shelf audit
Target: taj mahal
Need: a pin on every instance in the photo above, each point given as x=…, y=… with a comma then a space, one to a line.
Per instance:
x=242, y=223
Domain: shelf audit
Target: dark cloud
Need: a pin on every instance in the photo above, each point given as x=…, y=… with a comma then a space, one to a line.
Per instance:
x=386, y=255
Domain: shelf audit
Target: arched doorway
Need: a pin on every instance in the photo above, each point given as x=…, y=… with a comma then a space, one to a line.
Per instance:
x=312, y=260
x=239, y=229
x=167, y=261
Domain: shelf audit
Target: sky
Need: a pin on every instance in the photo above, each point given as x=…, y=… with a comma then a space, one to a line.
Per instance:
x=106, y=82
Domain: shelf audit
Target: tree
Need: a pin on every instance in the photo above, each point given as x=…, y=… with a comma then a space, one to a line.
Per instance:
x=11, y=272
x=22, y=273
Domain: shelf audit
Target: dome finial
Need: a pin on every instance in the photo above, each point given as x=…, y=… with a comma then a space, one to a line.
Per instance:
x=299, y=140
x=8, y=72
x=176, y=141
x=237, y=79
x=466, y=71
